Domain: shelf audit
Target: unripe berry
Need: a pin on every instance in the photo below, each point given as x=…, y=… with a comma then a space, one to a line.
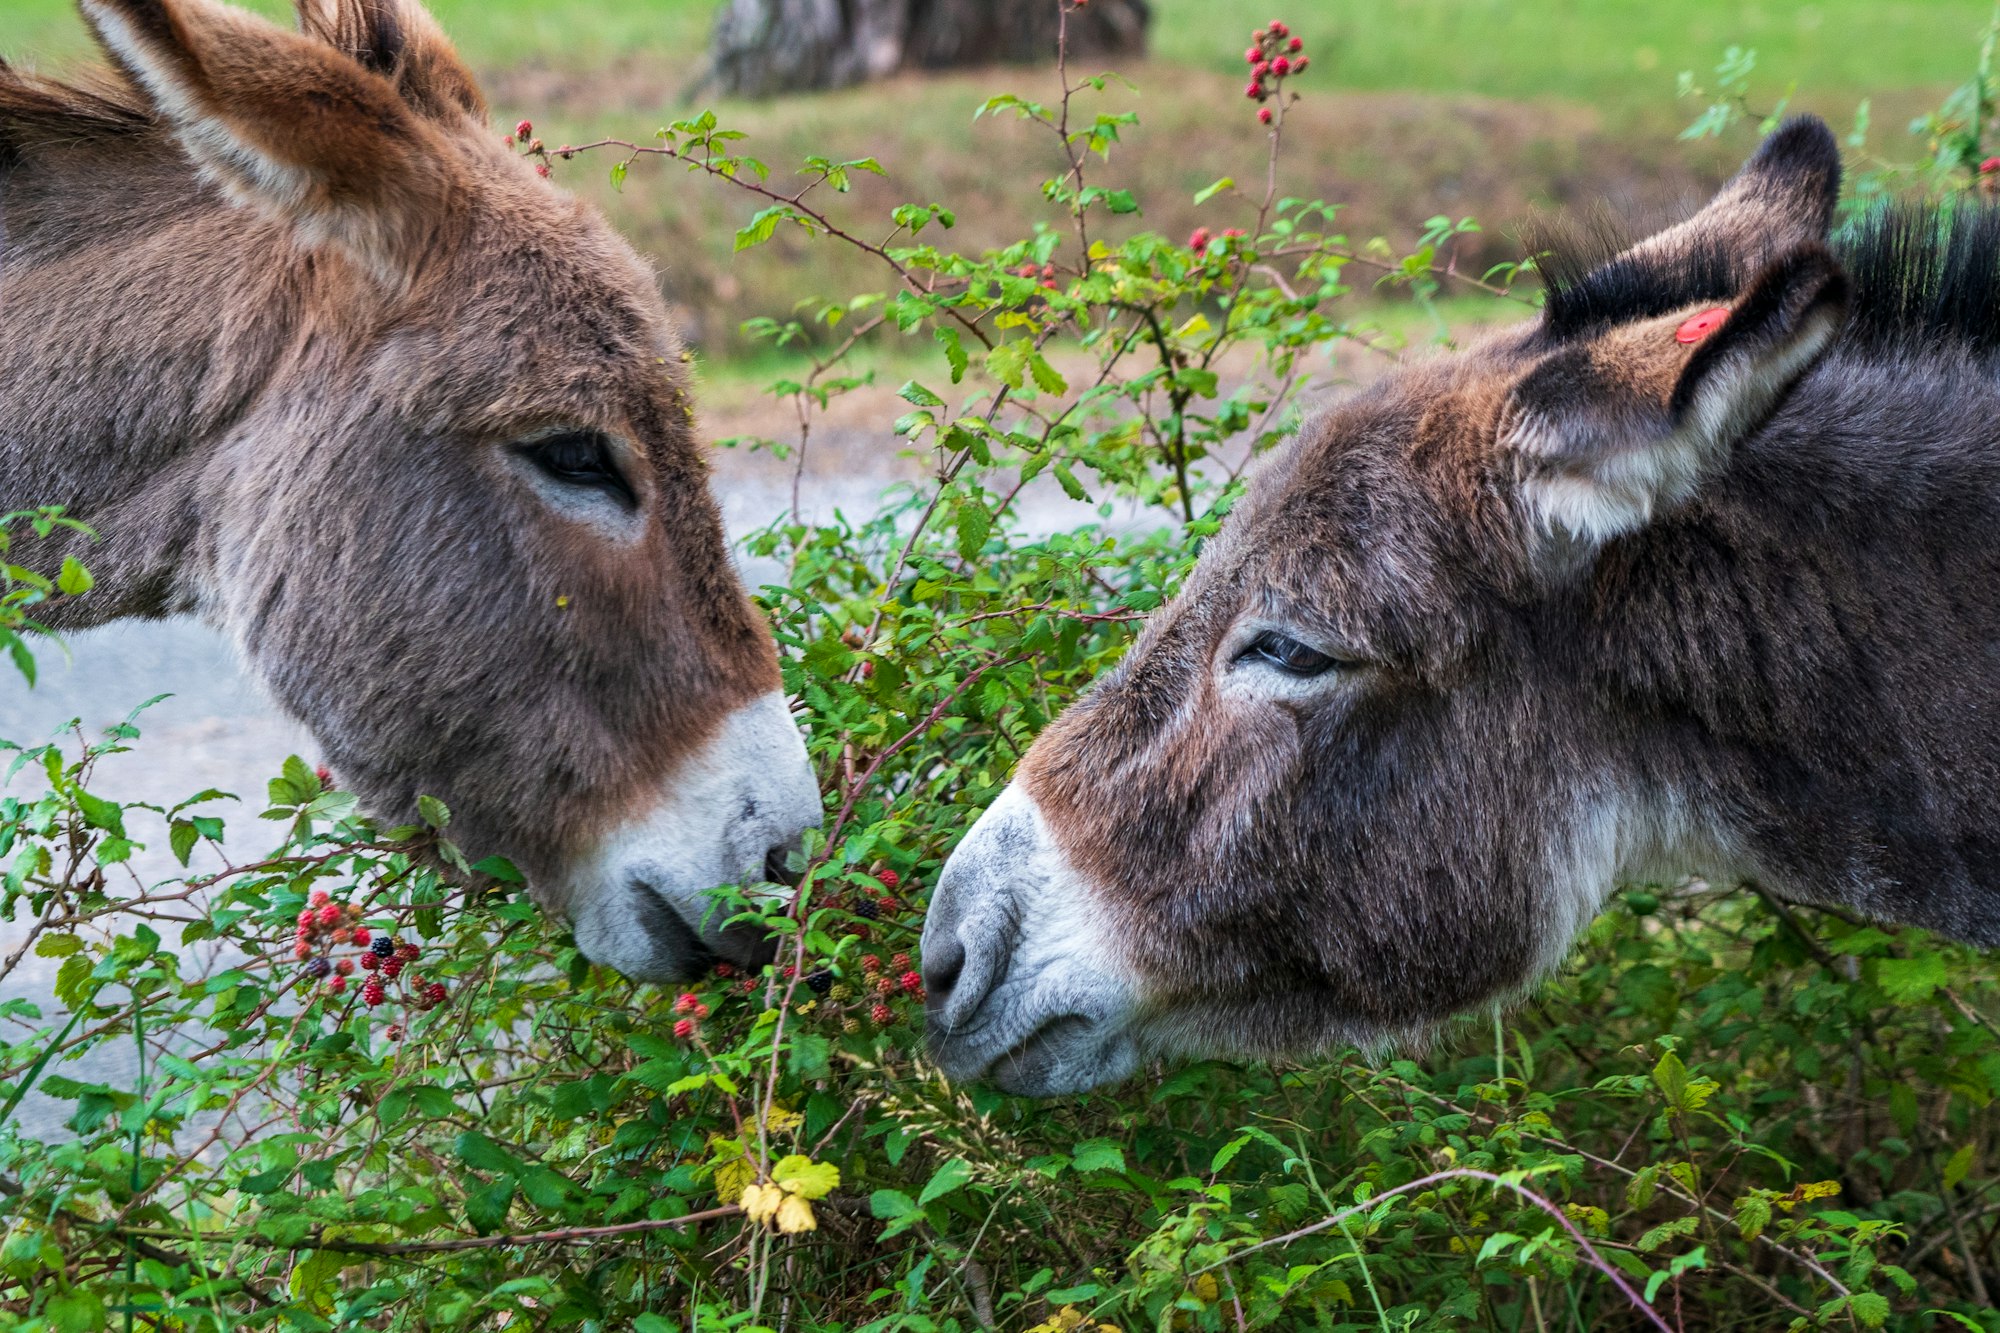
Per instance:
x=336, y=986
x=749, y=985
x=870, y=963
x=307, y=918
x=1252, y=56
x=850, y=1026
x=1263, y=68
x=885, y=986
x=434, y=995
x=524, y=131
x=320, y=898
x=395, y=1032
x=725, y=970
x=341, y=934
x=542, y=169
x=1263, y=115
x=1299, y=65
x=407, y=951
x=1281, y=67
x=329, y=915
x=345, y=967
x=900, y=962
x=840, y=990
x=1296, y=45
x=372, y=993
x=684, y=1028
x=302, y=951
x=700, y=1010
x=1254, y=91
x=392, y=968
x=791, y=970
x=911, y=982
x=369, y=962
x=324, y=774
x=883, y=1015
x=361, y=937
x=1279, y=29
x=685, y=1002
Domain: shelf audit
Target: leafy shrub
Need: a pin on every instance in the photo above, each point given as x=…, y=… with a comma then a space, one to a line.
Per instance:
x=1721, y=1114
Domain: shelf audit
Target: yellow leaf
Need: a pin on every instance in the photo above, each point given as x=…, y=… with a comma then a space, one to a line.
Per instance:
x=781, y=1121
x=1205, y=1288
x=804, y=1177
x=732, y=1178
x=796, y=1215
x=761, y=1203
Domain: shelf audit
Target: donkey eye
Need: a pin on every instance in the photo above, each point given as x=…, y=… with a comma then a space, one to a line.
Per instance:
x=582, y=458
x=1288, y=655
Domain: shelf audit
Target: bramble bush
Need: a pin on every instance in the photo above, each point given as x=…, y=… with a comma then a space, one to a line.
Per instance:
x=368, y=1098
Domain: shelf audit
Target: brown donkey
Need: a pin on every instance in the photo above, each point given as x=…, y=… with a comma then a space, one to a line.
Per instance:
x=327, y=365
x=1699, y=572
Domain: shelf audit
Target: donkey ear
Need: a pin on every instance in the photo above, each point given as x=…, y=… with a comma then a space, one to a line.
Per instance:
x=399, y=40
x=1782, y=198
x=1604, y=432
x=285, y=123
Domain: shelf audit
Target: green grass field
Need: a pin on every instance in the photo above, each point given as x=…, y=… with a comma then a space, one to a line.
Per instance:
x=1607, y=52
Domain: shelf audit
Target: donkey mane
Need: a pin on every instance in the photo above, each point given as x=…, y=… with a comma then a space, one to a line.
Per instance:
x=1925, y=277
x=96, y=104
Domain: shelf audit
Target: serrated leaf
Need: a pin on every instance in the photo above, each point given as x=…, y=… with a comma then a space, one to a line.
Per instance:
x=1098, y=1155
x=806, y=1178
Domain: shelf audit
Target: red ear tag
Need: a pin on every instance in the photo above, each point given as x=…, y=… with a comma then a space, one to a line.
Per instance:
x=1699, y=327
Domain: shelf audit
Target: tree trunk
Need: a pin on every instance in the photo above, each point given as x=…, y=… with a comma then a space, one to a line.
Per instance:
x=763, y=47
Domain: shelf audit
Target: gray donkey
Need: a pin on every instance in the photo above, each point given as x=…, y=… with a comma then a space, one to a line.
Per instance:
x=1697, y=572
x=327, y=365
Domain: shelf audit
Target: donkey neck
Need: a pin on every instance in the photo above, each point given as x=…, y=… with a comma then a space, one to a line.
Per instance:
x=141, y=317
x=1814, y=645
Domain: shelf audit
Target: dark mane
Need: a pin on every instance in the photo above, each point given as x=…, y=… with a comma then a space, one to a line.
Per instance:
x=95, y=105
x=1926, y=276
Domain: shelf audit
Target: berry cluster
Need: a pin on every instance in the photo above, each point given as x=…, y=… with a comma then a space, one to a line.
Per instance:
x=1201, y=237
x=325, y=925
x=1046, y=273
x=872, y=906
x=689, y=1004
x=1274, y=56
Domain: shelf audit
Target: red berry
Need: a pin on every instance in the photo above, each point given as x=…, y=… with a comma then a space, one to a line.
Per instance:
x=870, y=963
x=1198, y=239
x=336, y=986
x=885, y=986
x=409, y=952
x=1296, y=45
x=1254, y=91
x=749, y=985
x=320, y=898
x=302, y=951
x=1263, y=115
x=324, y=774
x=541, y=169
x=912, y=982
x=791, y=970
x=1278, y=29
x=341, y=934
x=1263, y=68
x=901, y=962
x=372, y=992
x=307, y=918
x=369, y=962
x=684, y=1028
x=361, y=937
x=329, y=915
x=1258, y=36
x=685, y=1002
x=434, y=994
x=1299, y=65
x=392, y=967
x=524, y=131
x=1252, y=56
x=395, y=1032
x=700, y=1010
x=883, y=1015
x=1281, y=67
x=345, y=967
x=725, y=970
x=1990, y=165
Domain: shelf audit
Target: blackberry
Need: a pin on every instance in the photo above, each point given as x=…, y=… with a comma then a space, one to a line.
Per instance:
x=382, y=946
x=819, y=982
x=318, y=968
x=867, y=910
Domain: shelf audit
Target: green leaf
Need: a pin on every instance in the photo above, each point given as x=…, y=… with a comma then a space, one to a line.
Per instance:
x=1911, y=980
x=954, y=352
x=952, y=1175
x=1099, y=1155
x=74, y=579
x=975, y=525
x=887, y=1205
x=1046, y=377
x=917, y=395
x=483, y=1154
x=433, y=811
x=76, y=1311
x=1955, y=1169
x=100, y=813
x=57, y=946
x=486, y=1209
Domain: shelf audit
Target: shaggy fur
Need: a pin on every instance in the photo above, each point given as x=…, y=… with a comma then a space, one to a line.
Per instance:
x=278, y=315
x=1607, y=605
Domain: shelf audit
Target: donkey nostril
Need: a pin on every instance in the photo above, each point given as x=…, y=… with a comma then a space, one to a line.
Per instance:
x=777, y=865
x=943, y=965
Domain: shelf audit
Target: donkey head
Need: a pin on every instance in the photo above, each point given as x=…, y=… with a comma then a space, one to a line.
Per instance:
x=413, y=426
x=1356, y=777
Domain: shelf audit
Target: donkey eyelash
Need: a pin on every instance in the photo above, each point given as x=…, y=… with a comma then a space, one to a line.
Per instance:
x=1290, y=656
x=582, y=458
